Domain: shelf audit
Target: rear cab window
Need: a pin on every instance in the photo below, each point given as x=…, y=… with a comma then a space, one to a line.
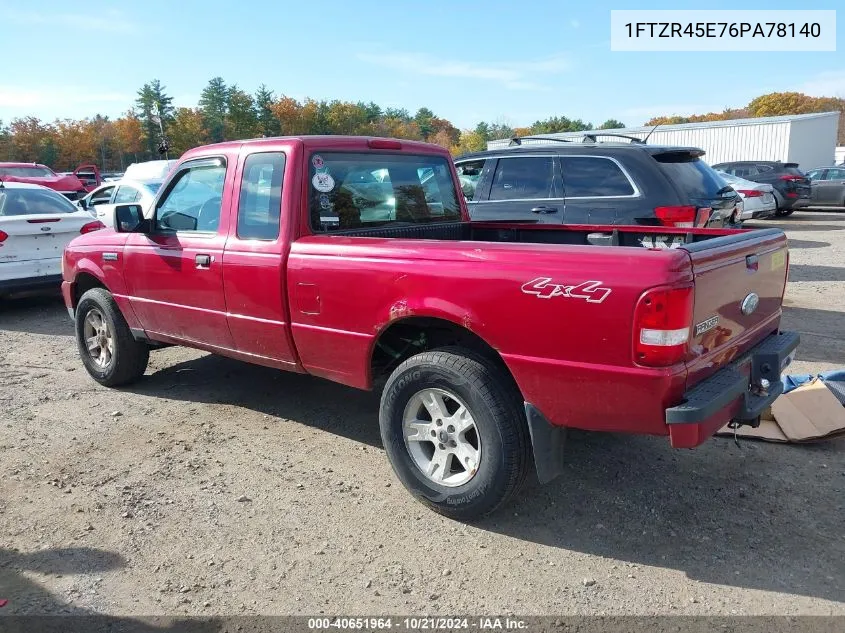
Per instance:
x=260, y=200
x=361, y=190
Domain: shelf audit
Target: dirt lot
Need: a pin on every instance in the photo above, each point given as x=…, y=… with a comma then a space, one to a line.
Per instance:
x=217, y=487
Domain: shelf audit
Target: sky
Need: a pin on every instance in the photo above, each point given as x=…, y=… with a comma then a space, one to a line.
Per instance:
x=497, y=61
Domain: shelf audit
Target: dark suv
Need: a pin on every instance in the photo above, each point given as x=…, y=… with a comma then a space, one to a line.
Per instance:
x=791, y=187
x=590, y=182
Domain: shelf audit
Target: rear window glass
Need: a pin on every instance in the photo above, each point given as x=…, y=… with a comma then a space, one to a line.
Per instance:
x=592, y=177
x=691, y=175
x=349, y=190
x=27, y=172
x=32, y=202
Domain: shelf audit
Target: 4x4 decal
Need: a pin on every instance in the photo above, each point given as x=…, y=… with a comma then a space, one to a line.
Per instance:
x=543, y=288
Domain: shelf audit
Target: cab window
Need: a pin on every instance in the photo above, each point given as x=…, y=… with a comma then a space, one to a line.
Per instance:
x=193, y=199
x=260, y=201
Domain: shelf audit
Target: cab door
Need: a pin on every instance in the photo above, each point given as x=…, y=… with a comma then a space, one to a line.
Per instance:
x=174, y=274
x=254, y=263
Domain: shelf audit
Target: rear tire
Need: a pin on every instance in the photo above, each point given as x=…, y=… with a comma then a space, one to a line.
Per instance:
x=108, y=350
x=455, y=433
x=782, y=213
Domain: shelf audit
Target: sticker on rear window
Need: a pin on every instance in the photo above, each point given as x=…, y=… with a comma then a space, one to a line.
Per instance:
x=323, y=182
x=778, y=260
x=317, y=161
x=325, y=201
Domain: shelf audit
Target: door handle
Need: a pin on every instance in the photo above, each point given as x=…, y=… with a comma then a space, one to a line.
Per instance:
x=544, y=210
x=203, y=261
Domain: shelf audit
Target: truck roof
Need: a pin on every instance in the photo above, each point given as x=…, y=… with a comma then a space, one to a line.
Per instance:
x=324, y=142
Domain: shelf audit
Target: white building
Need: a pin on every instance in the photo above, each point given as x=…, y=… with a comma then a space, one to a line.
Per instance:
x=806, y=139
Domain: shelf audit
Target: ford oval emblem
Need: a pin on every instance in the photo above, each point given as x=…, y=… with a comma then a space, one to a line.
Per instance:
x=750, y=303
x=45, y=228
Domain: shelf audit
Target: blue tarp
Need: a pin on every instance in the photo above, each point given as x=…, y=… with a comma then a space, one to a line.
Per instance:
x=834, y=379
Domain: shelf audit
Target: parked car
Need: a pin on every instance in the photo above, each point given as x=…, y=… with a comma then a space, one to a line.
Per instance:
x=101, y=202
x=149, y=170
x=758, y=199
x=827, y=186
x=282, y=262
x=595, y=183
x=70, y=185
x=791, y=188
x=36, y=223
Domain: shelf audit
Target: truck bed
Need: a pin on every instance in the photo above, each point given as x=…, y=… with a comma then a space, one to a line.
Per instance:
x=571, y=234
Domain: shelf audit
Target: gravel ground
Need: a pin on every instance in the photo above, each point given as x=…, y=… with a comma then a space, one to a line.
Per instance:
x=215, y=487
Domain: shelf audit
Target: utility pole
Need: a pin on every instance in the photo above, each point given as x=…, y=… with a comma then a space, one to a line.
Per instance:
x=163, y=146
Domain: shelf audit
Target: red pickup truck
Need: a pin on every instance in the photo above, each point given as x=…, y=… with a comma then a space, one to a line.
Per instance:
x=353, y=259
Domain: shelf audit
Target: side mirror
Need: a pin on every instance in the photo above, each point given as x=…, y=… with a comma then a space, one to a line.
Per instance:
x=129, y=218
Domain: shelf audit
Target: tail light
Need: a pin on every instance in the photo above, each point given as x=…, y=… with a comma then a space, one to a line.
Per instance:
x=43, y=220
x=662, y=321
x=792, y=177
x=96, y=225
x=3, y=236
x=676, y=216
x=750, y=193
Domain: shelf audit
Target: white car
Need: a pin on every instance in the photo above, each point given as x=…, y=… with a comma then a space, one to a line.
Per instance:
x=36, y=224
x=758, y=198
x=100, y=203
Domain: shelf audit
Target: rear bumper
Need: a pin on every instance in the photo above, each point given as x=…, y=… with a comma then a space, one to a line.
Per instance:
x=733, y=393
x=795, y=203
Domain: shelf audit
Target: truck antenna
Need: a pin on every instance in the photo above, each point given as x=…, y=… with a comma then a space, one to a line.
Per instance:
x=645, y=140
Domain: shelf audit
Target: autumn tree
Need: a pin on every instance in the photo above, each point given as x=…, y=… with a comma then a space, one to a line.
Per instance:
x=33, y=141
x=611, y=124
x=129, y=138
x=346, y=118
x=187, y=130
x=214, y=105
x=75, y=143
x=5, y=142
x=470, y=141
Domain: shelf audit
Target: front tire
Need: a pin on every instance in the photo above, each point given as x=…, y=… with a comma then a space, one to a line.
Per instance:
x=108, y=350
x=455, y=433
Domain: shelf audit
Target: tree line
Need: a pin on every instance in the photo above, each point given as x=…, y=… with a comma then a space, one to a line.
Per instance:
x=772, y=104
x=227, y=112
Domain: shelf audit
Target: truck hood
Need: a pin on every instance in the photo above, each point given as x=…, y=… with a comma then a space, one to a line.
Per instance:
x=57, y=183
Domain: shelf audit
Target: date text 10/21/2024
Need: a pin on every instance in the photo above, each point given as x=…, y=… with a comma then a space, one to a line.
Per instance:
x=419, y=624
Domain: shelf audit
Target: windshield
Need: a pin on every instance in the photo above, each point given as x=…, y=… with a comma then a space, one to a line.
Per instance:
x=369, y=189
x=32, y=202
x=27, y=172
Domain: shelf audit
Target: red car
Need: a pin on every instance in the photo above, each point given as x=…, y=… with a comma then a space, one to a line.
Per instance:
x=74, y=185
x=353, y=259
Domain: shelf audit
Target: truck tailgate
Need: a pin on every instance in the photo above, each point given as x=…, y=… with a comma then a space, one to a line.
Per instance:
x=739, y=283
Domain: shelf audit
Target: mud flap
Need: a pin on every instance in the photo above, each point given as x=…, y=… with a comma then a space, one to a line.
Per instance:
x=547, y=443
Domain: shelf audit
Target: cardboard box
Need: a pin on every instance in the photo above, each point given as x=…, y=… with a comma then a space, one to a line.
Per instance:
x=810, y=413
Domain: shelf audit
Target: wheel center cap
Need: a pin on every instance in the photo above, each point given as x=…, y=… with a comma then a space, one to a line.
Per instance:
x=444, y=436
